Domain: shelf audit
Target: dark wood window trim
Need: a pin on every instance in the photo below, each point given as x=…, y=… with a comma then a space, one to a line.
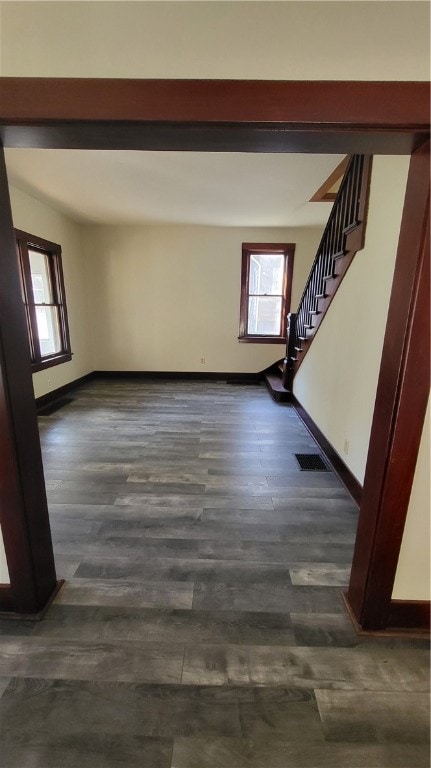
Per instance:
x=25, y=242
x=288, y=251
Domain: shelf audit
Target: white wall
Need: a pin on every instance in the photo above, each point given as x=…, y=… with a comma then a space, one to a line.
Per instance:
x=251, y=40
x=37, y=218
x=412, y=579
x=165, y=296
x=337, y=380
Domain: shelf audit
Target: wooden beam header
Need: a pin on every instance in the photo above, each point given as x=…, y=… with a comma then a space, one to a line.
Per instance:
x=401, y=105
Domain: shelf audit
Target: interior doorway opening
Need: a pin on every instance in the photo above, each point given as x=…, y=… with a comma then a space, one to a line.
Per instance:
x=315, y=125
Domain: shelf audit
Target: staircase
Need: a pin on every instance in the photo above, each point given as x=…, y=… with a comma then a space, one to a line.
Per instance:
x=343, y=237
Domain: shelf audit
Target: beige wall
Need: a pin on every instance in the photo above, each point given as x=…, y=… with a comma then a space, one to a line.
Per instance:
x=35, y=217
x=163, y=297
x=337, y=381
x=251, y=40
x=412, y=580
x=4, y=571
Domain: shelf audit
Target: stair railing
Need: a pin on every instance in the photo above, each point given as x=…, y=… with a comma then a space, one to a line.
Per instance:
x=288, y=372
x=343, y=236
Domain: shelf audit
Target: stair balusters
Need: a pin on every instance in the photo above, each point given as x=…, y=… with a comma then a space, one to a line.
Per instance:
x=343, y=236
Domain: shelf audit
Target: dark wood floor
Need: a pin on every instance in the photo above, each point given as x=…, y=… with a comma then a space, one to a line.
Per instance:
x=201, y=624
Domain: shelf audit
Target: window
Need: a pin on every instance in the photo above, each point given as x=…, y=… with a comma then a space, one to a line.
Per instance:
x=266, y=280
x=44, y=300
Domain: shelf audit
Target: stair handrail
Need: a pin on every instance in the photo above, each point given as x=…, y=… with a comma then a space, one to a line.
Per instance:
x=343, y=235
x=330, y=219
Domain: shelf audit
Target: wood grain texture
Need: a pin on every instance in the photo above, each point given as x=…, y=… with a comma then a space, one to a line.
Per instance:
x=248, y=753
x=380, y=717
x=198, y=628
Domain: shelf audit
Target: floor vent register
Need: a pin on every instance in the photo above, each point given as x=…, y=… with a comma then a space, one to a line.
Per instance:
x=311, y=462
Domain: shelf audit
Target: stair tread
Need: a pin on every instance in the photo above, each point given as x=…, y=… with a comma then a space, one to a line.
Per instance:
x=354, y=225
x=275, y=383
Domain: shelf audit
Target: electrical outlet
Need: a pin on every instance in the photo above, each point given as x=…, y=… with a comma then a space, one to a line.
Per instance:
x=202, y=361
x=346, y=447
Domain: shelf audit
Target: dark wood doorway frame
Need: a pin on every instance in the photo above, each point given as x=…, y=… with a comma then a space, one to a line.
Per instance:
x=260, y=116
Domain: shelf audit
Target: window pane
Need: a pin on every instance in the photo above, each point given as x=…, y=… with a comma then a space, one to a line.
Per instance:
x=48, y=329
x=266, y=274
x=40, y=277
x=264, y=315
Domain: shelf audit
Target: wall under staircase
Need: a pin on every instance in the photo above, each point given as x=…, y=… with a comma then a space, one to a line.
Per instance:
x=337, y=381
x=343, y=237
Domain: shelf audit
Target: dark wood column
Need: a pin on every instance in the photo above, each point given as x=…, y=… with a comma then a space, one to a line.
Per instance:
x=399, y=413
x=23, y=506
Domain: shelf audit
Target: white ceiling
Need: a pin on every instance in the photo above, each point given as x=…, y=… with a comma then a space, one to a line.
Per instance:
x=221, y=189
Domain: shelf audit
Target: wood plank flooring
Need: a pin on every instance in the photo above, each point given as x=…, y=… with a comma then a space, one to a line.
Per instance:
x=201, y=624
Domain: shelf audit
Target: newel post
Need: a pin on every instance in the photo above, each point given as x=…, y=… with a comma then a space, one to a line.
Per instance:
x=289, y=360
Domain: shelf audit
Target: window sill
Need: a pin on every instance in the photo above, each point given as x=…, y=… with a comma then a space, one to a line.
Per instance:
x=49, y=362
x=262, y=339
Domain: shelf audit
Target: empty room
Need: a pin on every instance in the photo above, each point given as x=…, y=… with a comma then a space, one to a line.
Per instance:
x=214, y=348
